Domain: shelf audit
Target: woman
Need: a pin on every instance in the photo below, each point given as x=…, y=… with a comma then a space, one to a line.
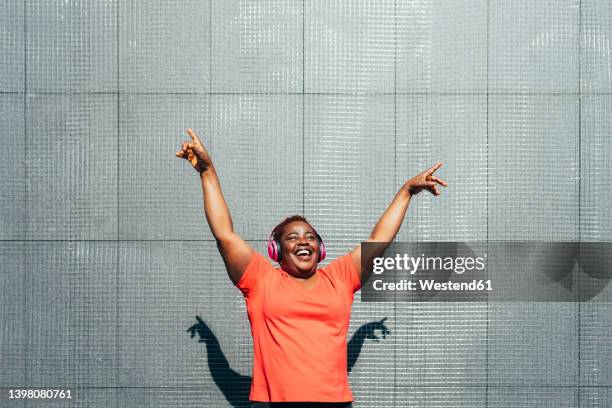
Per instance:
x=299, y=314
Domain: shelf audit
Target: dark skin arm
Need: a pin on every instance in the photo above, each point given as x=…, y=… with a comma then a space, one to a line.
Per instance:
x=390, y=222
x=235, y=251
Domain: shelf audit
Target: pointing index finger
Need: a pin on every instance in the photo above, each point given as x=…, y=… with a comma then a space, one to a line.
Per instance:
x=434, y=168
x=192, y=134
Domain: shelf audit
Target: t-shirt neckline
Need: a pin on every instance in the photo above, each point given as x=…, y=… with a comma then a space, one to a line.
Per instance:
x=288, y=277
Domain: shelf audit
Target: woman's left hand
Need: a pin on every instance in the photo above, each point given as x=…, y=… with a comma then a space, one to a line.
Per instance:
x=426, y=181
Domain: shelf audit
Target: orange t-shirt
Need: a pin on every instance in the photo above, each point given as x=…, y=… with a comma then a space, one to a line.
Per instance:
x=299, y=335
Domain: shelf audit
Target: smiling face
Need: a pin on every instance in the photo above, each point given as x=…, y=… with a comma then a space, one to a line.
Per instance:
x=300, y=249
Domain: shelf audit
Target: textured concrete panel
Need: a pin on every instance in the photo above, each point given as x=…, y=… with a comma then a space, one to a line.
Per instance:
x=597, y=397
x=71, y=46
x=533, y=167
x=71, y=320
x=164, y=46
x=12, y=46
x=257, y=46
x=441, y=344
x=72, y=181
x=188, y=397
x=13, y=209
x=595, y=344
x=596, y=46
x=533, y=46
x=533, y=344
x=349, y=46
x=451, y=129
x=442, y=46
x=160, y=195
x=532, y=397
x=349, y=163
x=259, y=154
x=595, y=173
x=13, y=348
x=444, y=396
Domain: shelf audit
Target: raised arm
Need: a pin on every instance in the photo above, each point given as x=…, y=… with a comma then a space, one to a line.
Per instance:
x=235, y=251
x=390, y=222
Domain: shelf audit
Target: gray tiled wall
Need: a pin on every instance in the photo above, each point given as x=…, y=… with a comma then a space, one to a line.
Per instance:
x=322, y=108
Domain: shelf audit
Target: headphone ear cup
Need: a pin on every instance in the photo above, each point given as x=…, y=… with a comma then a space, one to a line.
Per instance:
x=273, y=250
x=279, y=253
x=322, y=252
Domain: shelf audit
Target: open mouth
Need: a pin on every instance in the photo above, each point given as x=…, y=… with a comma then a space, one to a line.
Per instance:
x=303, y=253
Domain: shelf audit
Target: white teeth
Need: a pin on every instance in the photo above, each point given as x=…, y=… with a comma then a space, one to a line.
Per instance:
x=302, y=252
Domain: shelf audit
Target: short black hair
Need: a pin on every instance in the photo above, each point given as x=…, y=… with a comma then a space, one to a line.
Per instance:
x=277, y=232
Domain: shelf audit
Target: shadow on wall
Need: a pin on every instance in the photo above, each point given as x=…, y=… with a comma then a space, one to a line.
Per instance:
x=235, y=386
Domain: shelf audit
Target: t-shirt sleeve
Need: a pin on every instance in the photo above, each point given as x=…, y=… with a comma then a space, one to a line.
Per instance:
x=254, y=273
x=343, y=269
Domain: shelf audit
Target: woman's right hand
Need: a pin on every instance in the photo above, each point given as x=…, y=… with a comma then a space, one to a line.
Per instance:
x=195, y=153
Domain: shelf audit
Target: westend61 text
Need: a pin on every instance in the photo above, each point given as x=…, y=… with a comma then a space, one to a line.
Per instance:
x=432, y=285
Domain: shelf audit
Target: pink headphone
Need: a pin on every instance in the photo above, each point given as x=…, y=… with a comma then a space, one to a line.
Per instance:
x=274, y=249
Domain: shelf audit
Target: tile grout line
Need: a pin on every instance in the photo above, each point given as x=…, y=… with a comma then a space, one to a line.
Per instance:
x=25, y=175
x=118, y=219
x=579, y=187
x=487, y=206
x=303, y=119
x=210, y=46
x=396, y=182
x=208, y=98
x=453, y=385
x=142, y=240
x=360, y=94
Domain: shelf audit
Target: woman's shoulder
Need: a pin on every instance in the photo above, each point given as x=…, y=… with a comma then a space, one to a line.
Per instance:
x=342, y=268
x=257, y=270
